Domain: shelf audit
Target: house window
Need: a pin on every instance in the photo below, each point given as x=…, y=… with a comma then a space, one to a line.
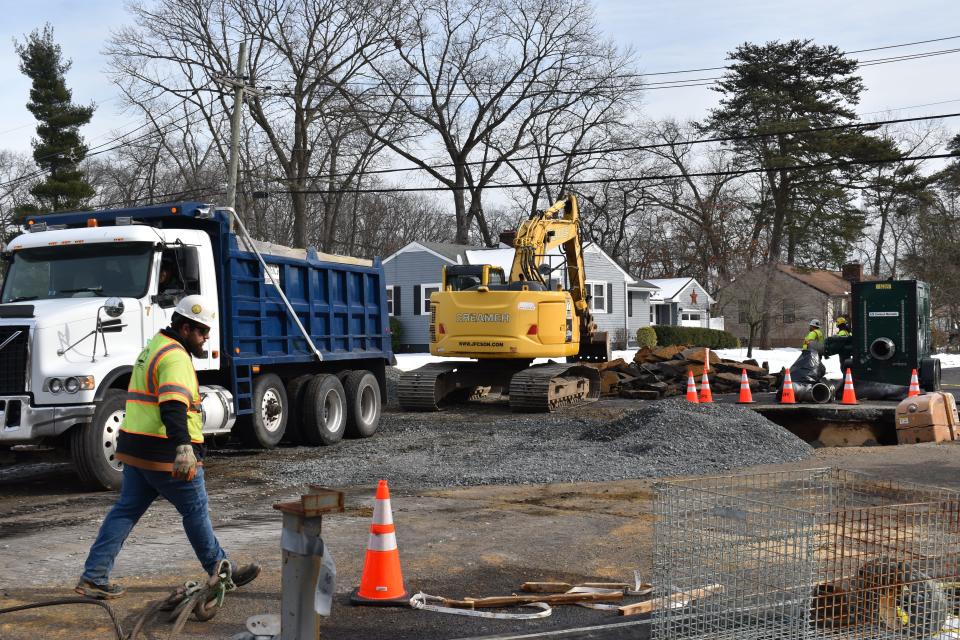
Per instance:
x=743, y=311
x=597, y=293
x=425, y=291
x=390, y=299
x=789, y=313
x=690, y=317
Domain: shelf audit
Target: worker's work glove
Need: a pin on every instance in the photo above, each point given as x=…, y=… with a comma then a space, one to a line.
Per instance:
x=185, y=464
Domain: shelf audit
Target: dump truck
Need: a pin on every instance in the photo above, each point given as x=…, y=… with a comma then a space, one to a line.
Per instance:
x=300, y=349
x=506, y=321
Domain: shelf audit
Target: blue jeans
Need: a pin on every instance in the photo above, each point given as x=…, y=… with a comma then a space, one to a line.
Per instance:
x=140, y=488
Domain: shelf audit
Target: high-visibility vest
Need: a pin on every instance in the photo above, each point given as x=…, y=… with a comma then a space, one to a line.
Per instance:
x=163, y=372
x=843, y=333
x=814, y=336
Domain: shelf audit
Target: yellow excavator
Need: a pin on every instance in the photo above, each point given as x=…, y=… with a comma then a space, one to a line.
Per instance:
x=540, y=311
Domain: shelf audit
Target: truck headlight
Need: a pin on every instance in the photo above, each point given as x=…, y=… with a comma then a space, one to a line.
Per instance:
x=73, y=384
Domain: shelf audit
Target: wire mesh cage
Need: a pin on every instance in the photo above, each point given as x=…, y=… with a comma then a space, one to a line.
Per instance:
x=819, y=553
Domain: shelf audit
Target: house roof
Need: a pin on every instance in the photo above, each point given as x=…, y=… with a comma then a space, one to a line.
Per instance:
x=670, y=288
x=455, y=252
x=452, y=253
x=642, y=285
x=828, y=282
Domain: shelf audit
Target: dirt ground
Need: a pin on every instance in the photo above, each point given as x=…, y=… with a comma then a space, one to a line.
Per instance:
x=475, y=541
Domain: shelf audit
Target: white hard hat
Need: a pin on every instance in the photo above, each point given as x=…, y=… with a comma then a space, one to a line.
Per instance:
x=197, y=309
x=815, y=323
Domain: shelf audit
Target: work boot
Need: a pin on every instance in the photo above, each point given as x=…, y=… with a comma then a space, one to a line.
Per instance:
x=245, y=574
x=100, y=592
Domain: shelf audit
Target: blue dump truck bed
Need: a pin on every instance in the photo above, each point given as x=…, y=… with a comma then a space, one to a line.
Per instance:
x=340, y=301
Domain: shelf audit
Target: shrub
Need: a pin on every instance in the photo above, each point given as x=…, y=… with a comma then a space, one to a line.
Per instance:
x=695, y=337
x=646, y=337
x=396, y=333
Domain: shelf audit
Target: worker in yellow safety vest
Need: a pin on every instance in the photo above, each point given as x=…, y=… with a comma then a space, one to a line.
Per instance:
x=814, y=338
x=161, y=448
x=842, y=329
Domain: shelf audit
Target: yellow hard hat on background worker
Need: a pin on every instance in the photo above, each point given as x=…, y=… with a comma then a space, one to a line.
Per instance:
x=842, y=329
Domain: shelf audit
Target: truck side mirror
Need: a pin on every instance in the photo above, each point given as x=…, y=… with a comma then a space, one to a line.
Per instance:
x=164, y=300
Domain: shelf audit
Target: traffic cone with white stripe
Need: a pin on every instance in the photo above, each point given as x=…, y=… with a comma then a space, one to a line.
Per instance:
x=706, y=396
x=382, y=581
x=914, y=385
x=849, y=394
x=692, y=388
x=787, y=395
x=746, y=396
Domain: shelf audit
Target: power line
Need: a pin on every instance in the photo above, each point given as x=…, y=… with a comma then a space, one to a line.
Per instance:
x=98, y=150
x=731, y=173
x=678, y=143
x=873, y=62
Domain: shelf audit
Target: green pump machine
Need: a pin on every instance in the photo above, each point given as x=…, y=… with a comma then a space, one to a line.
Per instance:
x=891, y=335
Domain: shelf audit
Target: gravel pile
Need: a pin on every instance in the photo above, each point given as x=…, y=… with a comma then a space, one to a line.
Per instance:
x=482, y=445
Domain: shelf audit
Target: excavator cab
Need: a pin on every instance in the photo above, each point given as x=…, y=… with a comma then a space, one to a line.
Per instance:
x=470, y=277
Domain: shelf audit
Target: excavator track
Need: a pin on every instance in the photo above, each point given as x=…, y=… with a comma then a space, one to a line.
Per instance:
x=548, y=387
x=422, y=389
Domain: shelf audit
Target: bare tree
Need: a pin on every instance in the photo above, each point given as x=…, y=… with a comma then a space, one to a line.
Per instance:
x=476, y=76
x=301, y=53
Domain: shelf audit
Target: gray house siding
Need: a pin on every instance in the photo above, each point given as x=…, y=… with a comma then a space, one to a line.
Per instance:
x=638, y=313
x=599, y=269
x=410, y=271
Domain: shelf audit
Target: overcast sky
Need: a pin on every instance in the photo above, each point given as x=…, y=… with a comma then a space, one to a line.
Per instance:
x=665, y=34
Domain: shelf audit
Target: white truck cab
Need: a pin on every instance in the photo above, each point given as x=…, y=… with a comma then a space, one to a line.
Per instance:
x=77, y=307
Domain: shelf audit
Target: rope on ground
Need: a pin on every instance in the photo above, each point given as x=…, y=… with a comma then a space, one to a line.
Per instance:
x=420, y=600
x=118, y=630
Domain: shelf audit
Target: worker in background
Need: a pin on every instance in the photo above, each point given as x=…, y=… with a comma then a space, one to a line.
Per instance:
x=161, y=447
x=842, y=329
x=814, y=338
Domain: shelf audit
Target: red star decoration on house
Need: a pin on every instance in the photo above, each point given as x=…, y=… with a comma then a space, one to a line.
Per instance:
x=693, y=297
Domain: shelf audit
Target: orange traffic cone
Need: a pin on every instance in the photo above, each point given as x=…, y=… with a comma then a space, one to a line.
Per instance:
x=382, y=581
x=705, y=394
x=746, y=396
x=786, y=394
x=914, y=385
x=692, y=388
x=849, y=395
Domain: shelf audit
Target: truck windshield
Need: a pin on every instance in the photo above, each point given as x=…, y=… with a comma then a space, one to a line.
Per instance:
x=75, y=271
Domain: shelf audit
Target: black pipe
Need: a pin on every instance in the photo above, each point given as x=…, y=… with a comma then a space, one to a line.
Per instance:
x=818, y=392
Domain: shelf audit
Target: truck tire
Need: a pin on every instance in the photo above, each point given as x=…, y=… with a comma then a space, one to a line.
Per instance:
x=296, y=389
x=93, y=446
x=363, y=404
x=265, y=426
x=324, y=411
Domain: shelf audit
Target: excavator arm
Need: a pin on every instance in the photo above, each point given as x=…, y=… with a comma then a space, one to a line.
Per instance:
x=558, y=226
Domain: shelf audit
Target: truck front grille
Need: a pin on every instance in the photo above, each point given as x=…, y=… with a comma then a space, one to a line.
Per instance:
x=13, y=359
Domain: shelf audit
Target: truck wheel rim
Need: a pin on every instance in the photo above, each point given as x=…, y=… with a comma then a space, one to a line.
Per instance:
x=271, y=422
x=111, y=429
x=368, y=404
x=332, y=412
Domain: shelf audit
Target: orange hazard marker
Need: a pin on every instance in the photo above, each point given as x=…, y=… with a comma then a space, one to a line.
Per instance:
x=914, y=385
x=705, y=393
x=692, y=388
x=786, y=394
x=382, y=581
x=746, y=396
x=849, y=395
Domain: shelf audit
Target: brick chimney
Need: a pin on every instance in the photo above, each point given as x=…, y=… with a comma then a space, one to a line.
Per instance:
x=852, y=271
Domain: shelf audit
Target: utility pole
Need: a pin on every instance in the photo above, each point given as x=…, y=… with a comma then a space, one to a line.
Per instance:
x=239, y=84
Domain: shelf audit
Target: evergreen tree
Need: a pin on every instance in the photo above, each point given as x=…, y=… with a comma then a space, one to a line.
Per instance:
x=58, y=148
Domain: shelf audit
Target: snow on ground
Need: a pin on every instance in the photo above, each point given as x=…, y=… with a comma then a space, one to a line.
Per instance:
x=777, y=359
